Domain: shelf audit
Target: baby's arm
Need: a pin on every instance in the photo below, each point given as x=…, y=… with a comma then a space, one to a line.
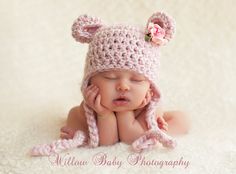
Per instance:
x=178, y=122
x=129, y=128
x=106, y=120
x=173, y=122
x=75, y=121
x=107, y=129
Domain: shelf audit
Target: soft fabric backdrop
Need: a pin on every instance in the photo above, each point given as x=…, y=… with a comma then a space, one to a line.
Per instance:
x=41, y=67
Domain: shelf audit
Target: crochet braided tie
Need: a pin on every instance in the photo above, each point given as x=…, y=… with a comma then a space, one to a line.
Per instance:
x=151, y=138
x=58, y=146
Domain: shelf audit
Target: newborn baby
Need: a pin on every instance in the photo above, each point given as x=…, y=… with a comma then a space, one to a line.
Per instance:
x=119, y=99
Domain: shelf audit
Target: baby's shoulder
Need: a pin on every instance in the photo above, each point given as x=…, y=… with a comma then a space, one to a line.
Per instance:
x=77, y=111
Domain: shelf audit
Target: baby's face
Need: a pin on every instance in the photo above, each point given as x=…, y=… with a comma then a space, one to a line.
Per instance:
x=121, y=90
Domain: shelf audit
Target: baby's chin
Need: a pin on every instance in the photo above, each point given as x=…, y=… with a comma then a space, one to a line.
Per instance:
x=123, y=108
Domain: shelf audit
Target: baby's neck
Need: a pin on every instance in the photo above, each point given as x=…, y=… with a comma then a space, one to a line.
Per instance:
x=136, y=112
x=139, y=111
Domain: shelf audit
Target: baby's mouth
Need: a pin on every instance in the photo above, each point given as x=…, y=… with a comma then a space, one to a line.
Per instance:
x=121, y=101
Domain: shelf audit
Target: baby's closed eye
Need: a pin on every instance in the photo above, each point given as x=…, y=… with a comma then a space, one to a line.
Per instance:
x=137, y=79
x=110, y=77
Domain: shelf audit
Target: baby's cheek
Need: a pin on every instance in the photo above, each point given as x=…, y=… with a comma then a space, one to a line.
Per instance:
x=139, y=98
x=144, y=94
x=146, y=97
x=105, y=97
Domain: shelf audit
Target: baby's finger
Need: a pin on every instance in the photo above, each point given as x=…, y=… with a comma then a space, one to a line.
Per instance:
x=90, y=98
x=98, y=102
x=145, y=101
x=67, y=130
x=92, y=95
x=164, y=127
x=148, y=97
x=65, y=136
x=88, y=87
x=159, y=120
x=62, y=136
x=89, y=91
x=162, y=120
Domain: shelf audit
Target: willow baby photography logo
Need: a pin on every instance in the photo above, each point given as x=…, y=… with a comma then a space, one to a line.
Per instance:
x=140, y=160
x=66, y=160
x=102, y=159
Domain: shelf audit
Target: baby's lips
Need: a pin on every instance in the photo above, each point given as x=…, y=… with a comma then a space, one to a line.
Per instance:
x=121, y=99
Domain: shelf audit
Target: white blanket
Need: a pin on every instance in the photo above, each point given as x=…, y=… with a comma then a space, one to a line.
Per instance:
x=41, y=68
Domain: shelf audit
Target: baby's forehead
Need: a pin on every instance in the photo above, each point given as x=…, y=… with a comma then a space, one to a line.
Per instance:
x=122, y=72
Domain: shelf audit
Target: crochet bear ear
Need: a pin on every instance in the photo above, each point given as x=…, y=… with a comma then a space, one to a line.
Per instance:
x=84, y=28
x=160, y=28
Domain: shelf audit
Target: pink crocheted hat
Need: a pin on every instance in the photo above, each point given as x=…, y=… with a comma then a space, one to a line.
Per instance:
x=123, y=47
x=119, y=47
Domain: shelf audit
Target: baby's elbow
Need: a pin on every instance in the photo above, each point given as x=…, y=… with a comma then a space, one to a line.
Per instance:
x=105, y=142
x=126, y=139
x=131, y=136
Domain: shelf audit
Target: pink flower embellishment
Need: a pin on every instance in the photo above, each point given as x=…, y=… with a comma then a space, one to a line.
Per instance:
x=155, y=34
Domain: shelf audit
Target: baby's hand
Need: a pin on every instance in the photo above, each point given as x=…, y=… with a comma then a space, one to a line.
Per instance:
x=162, y=124
x=93, y=100
x=67, y=133
x=146, y=100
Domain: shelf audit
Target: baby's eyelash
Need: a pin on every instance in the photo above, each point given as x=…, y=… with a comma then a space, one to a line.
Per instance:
x=110, y=78
x=137, y=80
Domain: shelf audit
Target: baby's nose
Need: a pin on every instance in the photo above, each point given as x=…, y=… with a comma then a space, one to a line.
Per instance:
x=122, y=86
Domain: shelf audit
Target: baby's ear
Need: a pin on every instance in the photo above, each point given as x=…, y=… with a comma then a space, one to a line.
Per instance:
x=165, y=22
x=85, y=27
x=154, y=92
